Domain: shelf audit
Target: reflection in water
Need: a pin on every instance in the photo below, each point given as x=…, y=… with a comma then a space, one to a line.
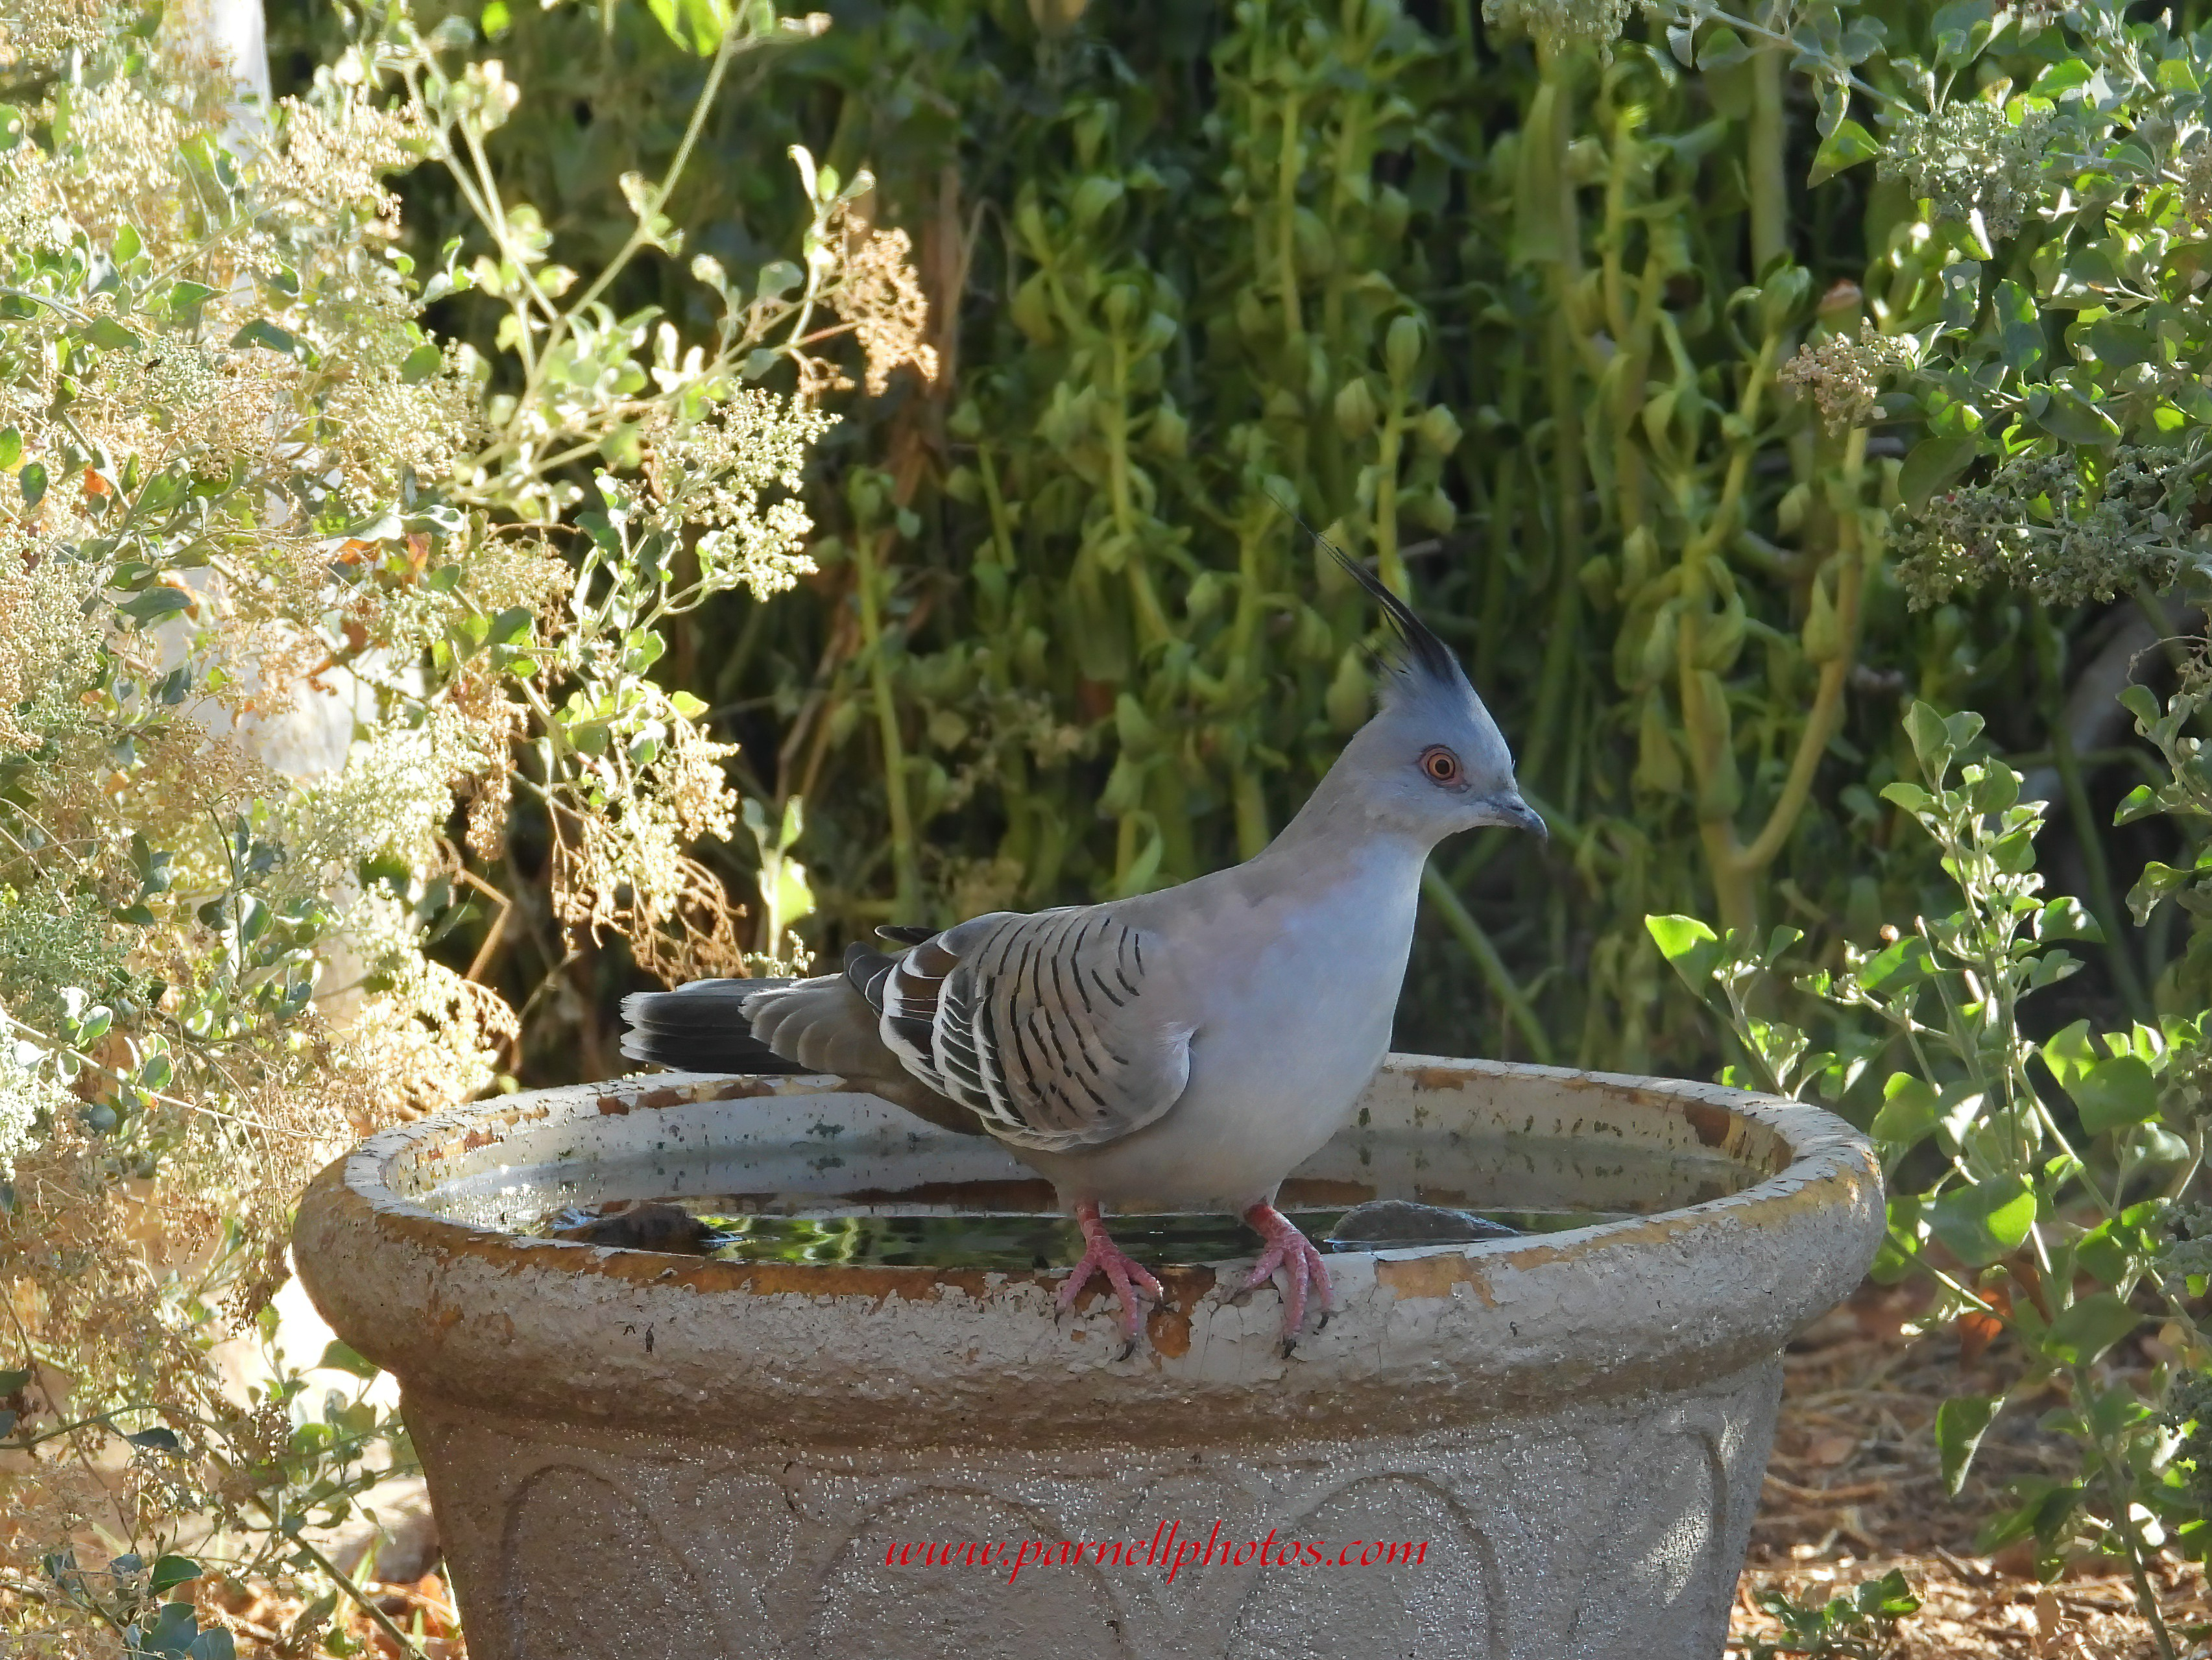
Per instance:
x=1008, y=1242
x=830, y=1199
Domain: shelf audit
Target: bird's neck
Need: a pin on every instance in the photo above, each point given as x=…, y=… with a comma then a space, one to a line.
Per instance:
x=1337, y=826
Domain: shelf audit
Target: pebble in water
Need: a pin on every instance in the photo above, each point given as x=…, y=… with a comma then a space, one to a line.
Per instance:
x=1383, y=1222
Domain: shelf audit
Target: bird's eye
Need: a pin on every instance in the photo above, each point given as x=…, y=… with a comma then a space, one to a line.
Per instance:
x=1440, y=764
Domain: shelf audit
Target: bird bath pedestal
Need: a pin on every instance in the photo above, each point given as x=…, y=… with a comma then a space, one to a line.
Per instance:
x=634, y=1455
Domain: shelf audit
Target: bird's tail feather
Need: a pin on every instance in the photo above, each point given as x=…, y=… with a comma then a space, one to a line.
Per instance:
x=701, y=1027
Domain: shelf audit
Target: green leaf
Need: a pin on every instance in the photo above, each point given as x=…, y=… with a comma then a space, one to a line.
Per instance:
x=262, y=332
x=171, y=1570
x=1960, y=1424
x=2050, y=1507
x=2141, y=802
x=1981, y=1223
x=1908, y=1114
x=1962, y=29
x=1897, y=967
x=2070, y=1054
x=156, y=603
x=1846, y=147
x=14, y=1378
x=32, y=481
x=2069, y=419
x=2019, y=326
x=696, y=25
x=2114, y=1092
x=2158, y=881
x=2085, y=1331
x=1937, y=738
x=420, y=364
x=11, y=447
x=2118, y=342
x=510, y=625
x=2152, y=1144
x=2062, y=76
x=187, y=301
x=1913, y=799
x=2067, y=918
x=109, y=334
x=1932, y=464
x=1900, y=1241
x=686, y=705
x=338, y=1357
x=1724, y=49
x=1887, y=1598
x=2102, y=1256
x=1689, y=947
x=2121, y=1245
x=1093, y=198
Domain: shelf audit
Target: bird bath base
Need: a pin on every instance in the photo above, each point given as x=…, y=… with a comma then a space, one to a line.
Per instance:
x=1540, y=1448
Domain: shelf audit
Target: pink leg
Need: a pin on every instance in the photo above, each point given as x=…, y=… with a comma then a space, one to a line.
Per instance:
x=1292, y=1252
x=1102, y=1256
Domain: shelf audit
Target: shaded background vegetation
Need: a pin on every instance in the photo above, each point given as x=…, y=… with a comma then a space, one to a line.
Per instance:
x=1507, y=319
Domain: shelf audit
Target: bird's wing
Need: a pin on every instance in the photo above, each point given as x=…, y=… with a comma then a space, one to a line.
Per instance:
x=1053, y=1029
x=827, y=1024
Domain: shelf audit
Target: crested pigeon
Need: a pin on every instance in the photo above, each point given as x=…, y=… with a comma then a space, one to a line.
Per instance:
x=1181, y=1049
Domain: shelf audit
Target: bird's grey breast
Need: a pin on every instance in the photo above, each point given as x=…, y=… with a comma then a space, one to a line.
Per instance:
x=1302, y=1006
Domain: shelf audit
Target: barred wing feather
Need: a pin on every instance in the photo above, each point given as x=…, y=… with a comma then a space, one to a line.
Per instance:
x=1051, y=1028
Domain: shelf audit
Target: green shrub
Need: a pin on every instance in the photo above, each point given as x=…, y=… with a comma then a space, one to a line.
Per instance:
x=250, y=507
x=1565, y=340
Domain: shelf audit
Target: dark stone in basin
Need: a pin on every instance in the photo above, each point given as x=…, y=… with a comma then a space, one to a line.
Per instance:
x=652, y=1227
x=1402, y=1222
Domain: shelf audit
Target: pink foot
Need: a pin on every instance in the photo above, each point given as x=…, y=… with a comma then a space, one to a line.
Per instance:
x=1292, y=1252
x=1102, y=1256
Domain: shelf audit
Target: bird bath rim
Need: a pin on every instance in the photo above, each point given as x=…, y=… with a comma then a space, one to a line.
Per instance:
x=1453, y=1332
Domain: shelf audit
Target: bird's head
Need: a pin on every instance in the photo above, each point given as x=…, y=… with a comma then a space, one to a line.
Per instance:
x=1431, y=762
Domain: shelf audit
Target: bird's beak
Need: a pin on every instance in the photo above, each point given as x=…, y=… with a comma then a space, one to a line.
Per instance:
x=1512, y=812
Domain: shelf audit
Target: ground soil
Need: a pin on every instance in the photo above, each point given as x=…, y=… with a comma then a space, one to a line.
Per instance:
x=1853, y=1491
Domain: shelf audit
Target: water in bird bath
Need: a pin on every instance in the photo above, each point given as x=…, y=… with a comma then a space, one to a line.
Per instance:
x=977, y=1240
x=823, y=1198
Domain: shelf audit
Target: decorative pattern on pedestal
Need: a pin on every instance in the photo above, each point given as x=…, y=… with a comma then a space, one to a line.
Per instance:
x=1614, y=1530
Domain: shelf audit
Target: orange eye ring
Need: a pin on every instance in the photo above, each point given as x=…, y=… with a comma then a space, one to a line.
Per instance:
x=1439, y=765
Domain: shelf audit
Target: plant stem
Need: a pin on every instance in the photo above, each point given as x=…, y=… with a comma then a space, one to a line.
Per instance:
x=905, y=865
x=2124, y=1521
x=1765, y=159
x=1470, y=935
x=1827, y=700
x=378, y=1617
x=1550, y=124
x=1287, y=167
x=2089, y=835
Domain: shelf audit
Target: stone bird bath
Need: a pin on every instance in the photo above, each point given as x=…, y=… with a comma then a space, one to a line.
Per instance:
x=636, y=1454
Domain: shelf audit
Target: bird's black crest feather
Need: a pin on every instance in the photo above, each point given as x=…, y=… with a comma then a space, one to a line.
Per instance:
x=1424, y=651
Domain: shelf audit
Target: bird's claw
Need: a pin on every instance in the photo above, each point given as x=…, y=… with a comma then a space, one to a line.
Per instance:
x=1132, y=1283
x=1303, y=1271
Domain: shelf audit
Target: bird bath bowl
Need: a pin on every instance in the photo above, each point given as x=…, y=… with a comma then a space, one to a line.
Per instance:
x=1539, y=1447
